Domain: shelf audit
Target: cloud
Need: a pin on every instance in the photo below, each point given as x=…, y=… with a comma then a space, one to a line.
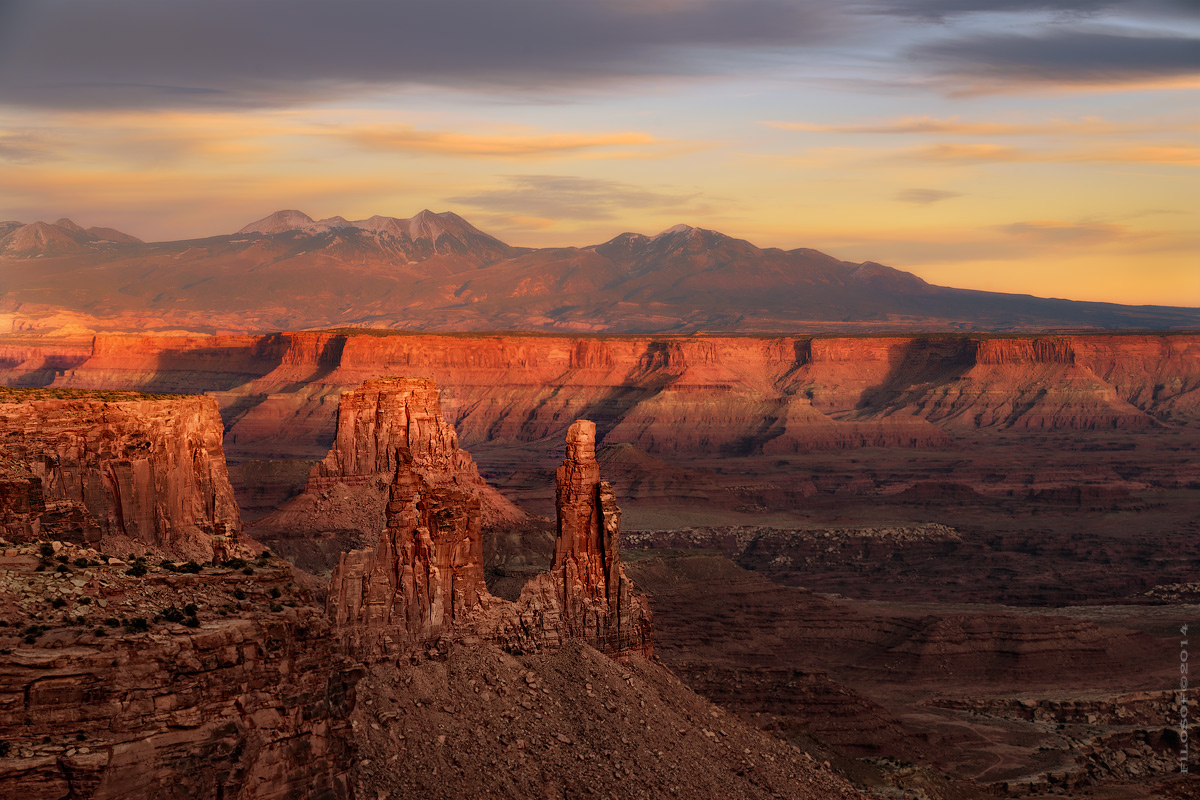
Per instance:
x=230, y=53
x=1058, y=232
x=942, y=9
x=925, y=125
x=924, y=197
x=1182, y=154
x=407, y=139
x=997, y=62
x=565, y=197
x=23, y=147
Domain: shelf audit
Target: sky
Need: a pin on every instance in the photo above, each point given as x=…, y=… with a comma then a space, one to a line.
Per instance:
x=1046, y=147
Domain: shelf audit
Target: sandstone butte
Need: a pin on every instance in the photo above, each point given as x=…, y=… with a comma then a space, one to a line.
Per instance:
x=664, y=394
x=343, y=503
x=247, y=692
x=424, y=581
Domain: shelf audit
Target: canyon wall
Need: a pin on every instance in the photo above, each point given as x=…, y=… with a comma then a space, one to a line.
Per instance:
x=279, y=394
x=118, y=470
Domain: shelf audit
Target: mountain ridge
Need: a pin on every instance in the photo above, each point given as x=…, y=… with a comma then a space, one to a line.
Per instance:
x=438, y=272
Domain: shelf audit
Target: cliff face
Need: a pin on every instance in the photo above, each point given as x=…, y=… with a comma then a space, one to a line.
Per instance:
x=424, y=581
x=382, y=425
x=167, y=684
x=668, y=395
x=117, y=470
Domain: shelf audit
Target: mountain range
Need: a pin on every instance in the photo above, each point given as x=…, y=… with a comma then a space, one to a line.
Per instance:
x=436, y=271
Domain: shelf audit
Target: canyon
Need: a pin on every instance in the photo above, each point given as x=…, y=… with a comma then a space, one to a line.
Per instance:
x=140, y=676
x=951, y=564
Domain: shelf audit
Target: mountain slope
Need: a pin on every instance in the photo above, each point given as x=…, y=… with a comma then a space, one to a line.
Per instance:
x=435, y=271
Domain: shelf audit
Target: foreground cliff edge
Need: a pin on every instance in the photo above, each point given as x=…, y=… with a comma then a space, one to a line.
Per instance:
x=145, y=677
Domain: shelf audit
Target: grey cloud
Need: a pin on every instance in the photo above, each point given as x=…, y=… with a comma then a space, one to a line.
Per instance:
x=568, y=197
x=945, y=9
x=1058, y=57
x=131, y=53
x=924, y=197
x=942, y=9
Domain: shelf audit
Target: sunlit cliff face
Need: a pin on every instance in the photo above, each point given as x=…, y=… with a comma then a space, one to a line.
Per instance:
x=1047, y=147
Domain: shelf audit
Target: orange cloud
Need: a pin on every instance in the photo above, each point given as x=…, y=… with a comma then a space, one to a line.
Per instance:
x=405, y=138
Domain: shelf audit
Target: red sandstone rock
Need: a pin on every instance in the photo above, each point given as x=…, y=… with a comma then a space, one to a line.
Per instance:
x=381, y=425
x=245, y=699
x=424, y=581
x=122, y=471
x=700, y=394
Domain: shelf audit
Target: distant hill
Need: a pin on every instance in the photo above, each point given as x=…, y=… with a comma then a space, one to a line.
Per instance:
x=436, y=271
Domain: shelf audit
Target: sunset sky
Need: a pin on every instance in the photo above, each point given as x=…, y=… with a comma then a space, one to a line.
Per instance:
x=1043, y=147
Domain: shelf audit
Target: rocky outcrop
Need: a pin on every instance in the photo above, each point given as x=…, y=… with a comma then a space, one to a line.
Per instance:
x=586, y=594
x=382, y=425
x=424, y=581
x=151, y=681
x=122, y=471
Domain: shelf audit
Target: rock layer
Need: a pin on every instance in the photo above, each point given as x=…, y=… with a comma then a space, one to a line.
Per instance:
x=241, y=696
x=118, y=470
x=672, y=395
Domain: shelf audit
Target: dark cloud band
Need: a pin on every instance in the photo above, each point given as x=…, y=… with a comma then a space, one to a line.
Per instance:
x=79, y=53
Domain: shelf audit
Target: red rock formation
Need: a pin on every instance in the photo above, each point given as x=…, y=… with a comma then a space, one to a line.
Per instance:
x=244, y=698
x=119, y=470
x=382, y=425
x=424, y=581
x=587, y=586
x=685, y=395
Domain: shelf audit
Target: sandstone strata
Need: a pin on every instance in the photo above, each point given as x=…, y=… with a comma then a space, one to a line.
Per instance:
x=166, y=684
x=117, y=470
x=424, y=583
x=670, y=394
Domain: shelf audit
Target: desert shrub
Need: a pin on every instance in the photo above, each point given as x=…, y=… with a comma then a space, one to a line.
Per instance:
x=275, y=592
x=137, y=625
x=276, y=607
x=239, y=594
x=85, y=601
x=47, y=550
x=192, y=622
x=63, y=568
x=191, y=568
x=58, y=602
x=168, y=565
x=137, y=570
x=248, y=571
x=172, y=614
x=82, y=562
x=235, y=563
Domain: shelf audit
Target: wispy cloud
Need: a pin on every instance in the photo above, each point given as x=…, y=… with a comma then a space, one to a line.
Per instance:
x=924, y=197
x=954, y=126
x=408, y=139
x=1183, y=154
x=575, y=198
